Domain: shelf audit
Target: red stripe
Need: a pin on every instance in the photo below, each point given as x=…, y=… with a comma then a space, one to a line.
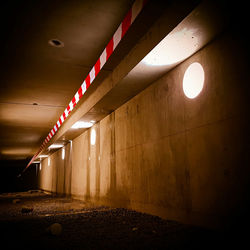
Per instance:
x=68, y=108
x=60, y=120
x=54, y=130
x=74, y=101
x=126, y=22
x=87, y=80
x=64, y=116
x=97, y=67
x=110, y=48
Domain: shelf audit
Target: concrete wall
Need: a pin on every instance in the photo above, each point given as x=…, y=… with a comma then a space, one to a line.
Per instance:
x=162, y=153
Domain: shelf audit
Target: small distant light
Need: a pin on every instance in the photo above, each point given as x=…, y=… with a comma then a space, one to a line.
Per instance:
x=56, y=146
x=193, y=80
x=93, y=137
x=81, y=124
x=63, y=153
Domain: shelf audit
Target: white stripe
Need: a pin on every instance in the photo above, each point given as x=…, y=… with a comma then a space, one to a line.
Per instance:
x=117, y=36
x=103, y=58
x=77, y=97
x=136, y=8
x=84, y=87
x=71, y=106
x=58, y=124
x=55, y=128
x=52, y=131
x=62, y=119
x=66, y=113
x=92, y=75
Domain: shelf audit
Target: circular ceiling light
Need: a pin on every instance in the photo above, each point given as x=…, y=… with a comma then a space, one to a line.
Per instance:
x=56, y=43
x=193, y=80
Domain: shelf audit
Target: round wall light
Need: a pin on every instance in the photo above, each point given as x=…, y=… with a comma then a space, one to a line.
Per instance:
x=193, y=80
x=93, y=137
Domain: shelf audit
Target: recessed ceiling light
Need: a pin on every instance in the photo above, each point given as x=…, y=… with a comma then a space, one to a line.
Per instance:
x=43, y=156
x=56, y=43
x=56, y=146
x=82, y=124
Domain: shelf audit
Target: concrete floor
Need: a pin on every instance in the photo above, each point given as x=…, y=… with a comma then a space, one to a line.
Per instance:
x=88, y=227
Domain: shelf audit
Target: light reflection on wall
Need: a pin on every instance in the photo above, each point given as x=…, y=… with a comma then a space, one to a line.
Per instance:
x=174, y=48
x=63, y=153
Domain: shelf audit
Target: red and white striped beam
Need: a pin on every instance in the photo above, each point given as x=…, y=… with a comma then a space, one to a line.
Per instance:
x=114, y=41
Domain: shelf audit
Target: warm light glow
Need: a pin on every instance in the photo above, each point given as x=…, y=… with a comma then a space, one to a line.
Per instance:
x=49, y=161
x=93, y=137
x=174, y=48
x=16, y=151
x=56, y=146
x=63, y=153
x=81, y=124
x=193, y=80
x=40, y=168
x=43, y=156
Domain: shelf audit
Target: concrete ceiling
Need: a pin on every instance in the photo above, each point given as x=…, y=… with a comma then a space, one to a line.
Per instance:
x=37, y=80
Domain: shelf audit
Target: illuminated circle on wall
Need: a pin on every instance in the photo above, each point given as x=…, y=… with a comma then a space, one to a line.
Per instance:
x=193, y=80
x=93, y=137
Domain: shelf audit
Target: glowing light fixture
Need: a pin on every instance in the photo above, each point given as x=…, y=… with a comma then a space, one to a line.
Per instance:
x=82, y=124
x=193, y=80
x=63, y=153
x=174, y=48
x=93, y=137
x=43, y=156
x=56, y=146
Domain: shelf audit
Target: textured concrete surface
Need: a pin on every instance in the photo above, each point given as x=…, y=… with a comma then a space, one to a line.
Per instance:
x=168, y=155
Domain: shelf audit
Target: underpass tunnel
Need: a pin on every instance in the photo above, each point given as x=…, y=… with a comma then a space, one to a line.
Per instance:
x=126, y=119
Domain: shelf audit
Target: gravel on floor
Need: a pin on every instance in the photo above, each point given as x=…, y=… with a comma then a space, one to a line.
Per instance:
x=83, y=226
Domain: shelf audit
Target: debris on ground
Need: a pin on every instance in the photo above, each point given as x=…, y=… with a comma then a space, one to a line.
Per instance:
x=85, y=226
x=25, y=210
x=55, y=229
x=15, y=201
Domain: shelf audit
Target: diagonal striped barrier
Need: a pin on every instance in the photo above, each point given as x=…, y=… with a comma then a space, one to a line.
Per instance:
x=107, y=52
